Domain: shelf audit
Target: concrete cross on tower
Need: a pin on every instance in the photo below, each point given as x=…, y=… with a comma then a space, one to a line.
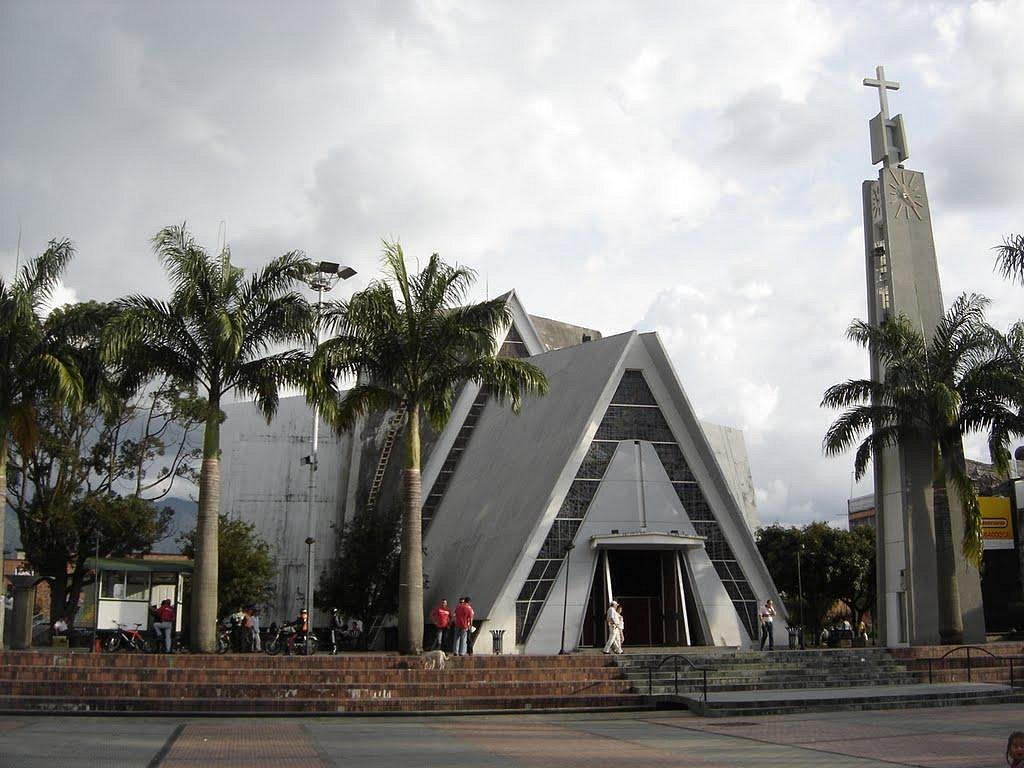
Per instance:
x=888, y=136
x=882, y=85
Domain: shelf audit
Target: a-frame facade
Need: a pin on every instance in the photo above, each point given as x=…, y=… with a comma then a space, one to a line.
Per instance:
x=614, y=461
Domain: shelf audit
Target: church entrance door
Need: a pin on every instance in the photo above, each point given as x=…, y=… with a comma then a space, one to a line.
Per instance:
x=649, y=585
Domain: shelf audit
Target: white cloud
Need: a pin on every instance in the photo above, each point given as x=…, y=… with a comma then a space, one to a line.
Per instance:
x=61, y=295
x=694, y=170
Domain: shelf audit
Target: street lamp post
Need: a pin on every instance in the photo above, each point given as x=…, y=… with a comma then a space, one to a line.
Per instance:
x=800, y=591
x=96, y=581
x=326, y=276
x=310, y=541
x=565, y=601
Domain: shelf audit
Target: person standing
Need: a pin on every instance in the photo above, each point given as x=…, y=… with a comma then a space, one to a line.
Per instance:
x=254, y=619
x=463, y=621
x=336, y=626
x=442, y=618
x=164, y=623
x=298, y=637
x=767, y=617
x=614, y=624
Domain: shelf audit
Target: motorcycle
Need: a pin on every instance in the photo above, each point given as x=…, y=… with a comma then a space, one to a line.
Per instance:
x=223, y=639
x=283, y=639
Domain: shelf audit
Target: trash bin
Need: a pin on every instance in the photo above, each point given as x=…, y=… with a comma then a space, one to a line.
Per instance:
x=496, y=641
x=794, y=637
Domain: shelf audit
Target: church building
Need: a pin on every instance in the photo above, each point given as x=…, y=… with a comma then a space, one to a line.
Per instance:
x=608, y=487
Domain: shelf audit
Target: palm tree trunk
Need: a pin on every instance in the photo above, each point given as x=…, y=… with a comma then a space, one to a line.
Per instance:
x=204, y=578
x=410, y=582
x=3, y=524
x=951, y=625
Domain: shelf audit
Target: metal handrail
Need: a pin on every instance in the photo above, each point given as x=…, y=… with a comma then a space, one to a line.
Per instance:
x=967, y=649
x=675, y=658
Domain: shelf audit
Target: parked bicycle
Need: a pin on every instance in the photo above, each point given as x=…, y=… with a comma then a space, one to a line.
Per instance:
x=125, y=639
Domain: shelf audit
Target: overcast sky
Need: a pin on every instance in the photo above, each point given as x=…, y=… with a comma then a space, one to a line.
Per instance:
x=658, y=166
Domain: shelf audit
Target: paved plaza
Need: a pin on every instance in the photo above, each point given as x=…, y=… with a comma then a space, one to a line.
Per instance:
x=956, y=737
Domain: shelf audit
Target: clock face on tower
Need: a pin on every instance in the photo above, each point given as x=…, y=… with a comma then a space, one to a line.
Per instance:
x=905, y=193
x=876, y=203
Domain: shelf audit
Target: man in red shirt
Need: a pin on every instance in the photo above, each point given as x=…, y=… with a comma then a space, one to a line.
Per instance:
x=442, y=618
x=164, y=623
x=463, y=622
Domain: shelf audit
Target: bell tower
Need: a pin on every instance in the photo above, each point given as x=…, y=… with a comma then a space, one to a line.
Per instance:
x=903, y=278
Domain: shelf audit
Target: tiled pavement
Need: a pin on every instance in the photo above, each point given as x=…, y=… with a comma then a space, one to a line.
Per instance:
x=956, y=737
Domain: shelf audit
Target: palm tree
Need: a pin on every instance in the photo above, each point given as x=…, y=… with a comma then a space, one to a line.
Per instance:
x=411, y=342
x=215, y=334
x=933, y=392
x=34, y=361
x=1010, y=258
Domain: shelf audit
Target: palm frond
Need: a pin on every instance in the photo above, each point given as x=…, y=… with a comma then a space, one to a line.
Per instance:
x=1010, y=258
x=40, y=276
x=361, y=400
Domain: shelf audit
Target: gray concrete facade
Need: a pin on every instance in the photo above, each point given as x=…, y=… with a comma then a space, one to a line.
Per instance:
x=498, y=496
x=903, y=278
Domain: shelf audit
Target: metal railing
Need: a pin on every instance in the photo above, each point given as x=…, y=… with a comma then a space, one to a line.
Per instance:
x=970, y=665
x=675, y=658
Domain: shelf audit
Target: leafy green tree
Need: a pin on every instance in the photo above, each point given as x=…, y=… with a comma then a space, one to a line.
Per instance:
x=364, y=581
x=88, y=466
x=856, y=582
x=411, y=340
x=245, y=564
x=932, y=393
x=214, y=334
x=33, y=363
x=88, y=463
x=835, y=566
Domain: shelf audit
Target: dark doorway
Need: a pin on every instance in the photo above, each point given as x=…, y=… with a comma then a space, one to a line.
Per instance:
x=646, y=585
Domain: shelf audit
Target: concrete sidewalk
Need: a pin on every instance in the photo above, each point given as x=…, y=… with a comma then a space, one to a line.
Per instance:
x=958, y=737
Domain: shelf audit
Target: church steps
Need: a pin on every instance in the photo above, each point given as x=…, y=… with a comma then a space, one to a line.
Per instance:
x=253, y=683
x=389, y=689
x=237, y=661
x=291, y=677
x=749, y=683
x=362, y=704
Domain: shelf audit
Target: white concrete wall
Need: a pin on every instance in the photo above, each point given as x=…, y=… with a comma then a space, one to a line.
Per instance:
x=264, y=481
x=731, y=452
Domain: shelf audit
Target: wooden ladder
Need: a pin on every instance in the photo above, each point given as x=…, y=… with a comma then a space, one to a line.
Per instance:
x=394, y=425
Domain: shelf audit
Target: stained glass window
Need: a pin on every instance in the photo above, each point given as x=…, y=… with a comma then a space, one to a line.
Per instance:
x=632, y=415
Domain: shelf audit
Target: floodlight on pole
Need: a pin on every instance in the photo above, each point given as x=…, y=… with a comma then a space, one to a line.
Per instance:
x=310, y=541
x=326, y=276
x=800, y=590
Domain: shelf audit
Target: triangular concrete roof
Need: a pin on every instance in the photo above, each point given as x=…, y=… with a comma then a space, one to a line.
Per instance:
x=508, y=475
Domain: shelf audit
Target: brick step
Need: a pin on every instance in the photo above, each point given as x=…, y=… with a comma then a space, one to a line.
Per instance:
x=362, y=703
x=242, y=691
x=691, y=688
x=297, y=676
x=740, y=672
x=263, y=661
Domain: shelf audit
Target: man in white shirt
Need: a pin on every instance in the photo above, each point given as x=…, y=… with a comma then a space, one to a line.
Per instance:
x=614, y=622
